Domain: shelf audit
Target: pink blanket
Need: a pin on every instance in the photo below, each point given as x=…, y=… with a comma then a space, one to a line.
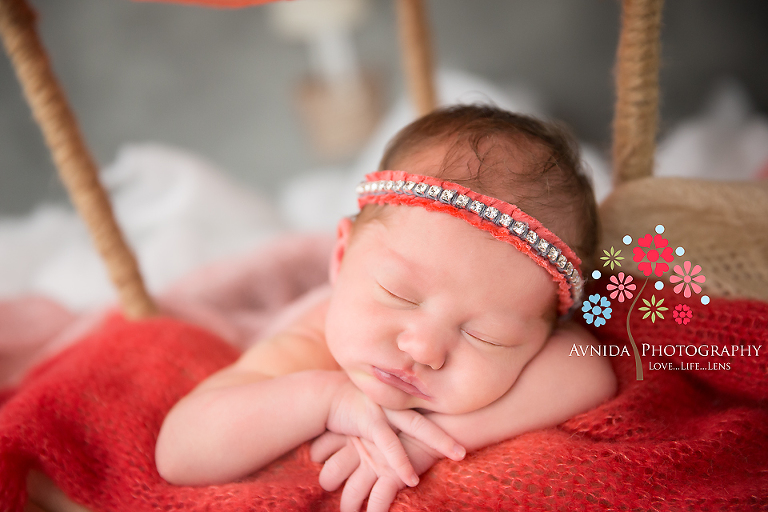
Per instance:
x=235, y=299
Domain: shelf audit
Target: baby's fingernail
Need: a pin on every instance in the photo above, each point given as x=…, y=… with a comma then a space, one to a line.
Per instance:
x=459, y=451
x=413, y=481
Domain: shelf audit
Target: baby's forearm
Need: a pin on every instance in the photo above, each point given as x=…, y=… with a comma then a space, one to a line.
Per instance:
x=221, y=434
x=551, y=389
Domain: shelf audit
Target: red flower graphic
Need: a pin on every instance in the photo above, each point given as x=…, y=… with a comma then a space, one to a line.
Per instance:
x=621, y=286
x=657, y=248
x=682, y=314
x=687, y=279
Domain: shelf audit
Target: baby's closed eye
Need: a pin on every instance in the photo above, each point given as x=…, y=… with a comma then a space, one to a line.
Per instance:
x=397, y=298
x=487, y=340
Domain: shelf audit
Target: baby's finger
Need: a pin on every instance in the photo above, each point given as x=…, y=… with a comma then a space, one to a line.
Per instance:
x=339, y=467
x=422, y=429
x=326, y=445
x=382, y=495
x=357, y=488
x=390, y=446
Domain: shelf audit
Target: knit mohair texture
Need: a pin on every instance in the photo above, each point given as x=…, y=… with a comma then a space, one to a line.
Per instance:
x=677, y=440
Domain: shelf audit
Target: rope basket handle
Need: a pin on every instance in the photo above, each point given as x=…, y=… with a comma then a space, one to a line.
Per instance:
x=72, y=158
x=635, y=121
x=416, y=49
x=637, y=90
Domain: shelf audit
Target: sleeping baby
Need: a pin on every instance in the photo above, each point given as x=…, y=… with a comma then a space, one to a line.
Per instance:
x=444, y=328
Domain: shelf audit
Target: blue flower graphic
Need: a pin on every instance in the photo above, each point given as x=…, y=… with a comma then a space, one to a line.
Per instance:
x=594, y=308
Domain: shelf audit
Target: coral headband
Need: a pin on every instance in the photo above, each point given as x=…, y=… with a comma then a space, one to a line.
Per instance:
x=504, y=221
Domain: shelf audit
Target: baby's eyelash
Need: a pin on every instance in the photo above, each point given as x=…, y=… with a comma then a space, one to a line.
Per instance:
x=481, y=339
x=395, y=296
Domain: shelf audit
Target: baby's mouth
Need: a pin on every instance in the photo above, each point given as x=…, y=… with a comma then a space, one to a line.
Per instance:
x=402, y=381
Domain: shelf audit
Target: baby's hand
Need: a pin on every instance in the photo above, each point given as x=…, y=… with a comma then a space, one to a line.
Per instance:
x=362, y=465
x=354, y=414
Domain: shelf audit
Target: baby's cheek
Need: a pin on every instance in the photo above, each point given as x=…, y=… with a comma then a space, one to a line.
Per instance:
x=485, y=384
x=334, y=333
x=346, y=337
x=508, y=373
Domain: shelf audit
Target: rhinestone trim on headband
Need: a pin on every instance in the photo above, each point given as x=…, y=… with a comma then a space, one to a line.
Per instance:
x=497, y=217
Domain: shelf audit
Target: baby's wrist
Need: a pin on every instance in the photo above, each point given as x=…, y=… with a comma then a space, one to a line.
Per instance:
x=327, y=382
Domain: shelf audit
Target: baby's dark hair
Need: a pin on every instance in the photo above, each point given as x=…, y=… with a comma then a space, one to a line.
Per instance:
x=514, y=157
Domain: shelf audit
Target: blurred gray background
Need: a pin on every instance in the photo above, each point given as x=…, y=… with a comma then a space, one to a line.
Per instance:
x=221, y=83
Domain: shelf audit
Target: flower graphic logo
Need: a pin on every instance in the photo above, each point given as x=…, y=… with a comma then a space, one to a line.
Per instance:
x=682, y=314
x=621, y=286
x=612, y=258
x=651, y=250
x=687, y=279
x=597, y=309
x=653, y=256
x=653, y=309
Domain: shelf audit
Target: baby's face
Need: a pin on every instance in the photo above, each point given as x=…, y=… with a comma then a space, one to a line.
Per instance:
x=430, y=312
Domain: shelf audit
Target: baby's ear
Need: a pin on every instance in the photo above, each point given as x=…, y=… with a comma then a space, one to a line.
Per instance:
x=343, y=234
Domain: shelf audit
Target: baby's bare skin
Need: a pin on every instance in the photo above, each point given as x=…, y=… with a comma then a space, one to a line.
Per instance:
x=427, y=314
x=435, y=339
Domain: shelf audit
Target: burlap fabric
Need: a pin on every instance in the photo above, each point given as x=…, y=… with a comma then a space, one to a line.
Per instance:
x=723, y=227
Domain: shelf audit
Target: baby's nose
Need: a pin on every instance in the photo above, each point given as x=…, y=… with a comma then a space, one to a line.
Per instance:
x=425, y=346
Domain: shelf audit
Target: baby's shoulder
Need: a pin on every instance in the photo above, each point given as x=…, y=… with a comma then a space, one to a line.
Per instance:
x=308, y=311
x=568, y=336
x=295, y=341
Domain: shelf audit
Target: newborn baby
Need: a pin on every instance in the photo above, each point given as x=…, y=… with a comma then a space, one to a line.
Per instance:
x=444, y=329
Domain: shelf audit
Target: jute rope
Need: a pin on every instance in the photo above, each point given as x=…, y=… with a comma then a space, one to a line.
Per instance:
x=415, y=44
x=73, y=160
x=637, y=90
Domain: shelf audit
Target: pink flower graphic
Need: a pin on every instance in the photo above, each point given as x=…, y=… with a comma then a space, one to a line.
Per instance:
x=657, y=247
x=687, y=279
x=682, y=314
x=621, y=286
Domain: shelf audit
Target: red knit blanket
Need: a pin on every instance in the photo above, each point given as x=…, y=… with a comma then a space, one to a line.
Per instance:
x=677, y=440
